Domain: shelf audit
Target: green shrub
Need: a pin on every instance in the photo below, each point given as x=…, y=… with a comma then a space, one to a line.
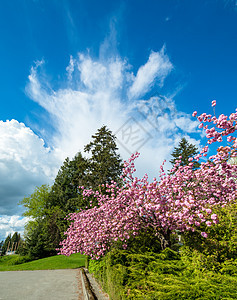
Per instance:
x=210, y=253
x=165, y=275
x=20, y=260
x=229, y=267
x=202, y=269
x=11, y=260
x=146, y=241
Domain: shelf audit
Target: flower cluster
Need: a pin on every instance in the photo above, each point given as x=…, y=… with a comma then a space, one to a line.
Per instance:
x=183, y=200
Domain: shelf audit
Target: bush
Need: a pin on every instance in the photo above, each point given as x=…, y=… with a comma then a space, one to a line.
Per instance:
x=14, y=259
x=17, y=260
x=165, y=275
x=220, y=245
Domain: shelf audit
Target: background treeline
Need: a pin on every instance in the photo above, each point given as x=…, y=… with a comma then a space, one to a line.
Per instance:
x=11, y=244
x=48, y=206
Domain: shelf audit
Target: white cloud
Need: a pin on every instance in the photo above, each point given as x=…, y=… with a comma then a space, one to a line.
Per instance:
x=11, y=224
x=105, y=92
x=24, y=163
x=70, y=68
x=155, y=70
x=184, y=122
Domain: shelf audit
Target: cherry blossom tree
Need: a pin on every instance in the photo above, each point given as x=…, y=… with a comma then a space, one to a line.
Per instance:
x=181, y=200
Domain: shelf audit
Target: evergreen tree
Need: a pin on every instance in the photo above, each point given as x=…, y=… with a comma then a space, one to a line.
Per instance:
x=105, y=163
x=37, y=241
x=186, y=150
x=15, y=240
x=65, y=192
x=7, y=244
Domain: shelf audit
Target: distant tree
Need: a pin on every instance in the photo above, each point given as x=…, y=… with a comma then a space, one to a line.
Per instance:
x=7, y=244
x=186, y=151
x=105, y=164
x=15, y=241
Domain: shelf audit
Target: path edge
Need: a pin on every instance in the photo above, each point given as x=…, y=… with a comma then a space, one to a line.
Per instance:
x=86, y=286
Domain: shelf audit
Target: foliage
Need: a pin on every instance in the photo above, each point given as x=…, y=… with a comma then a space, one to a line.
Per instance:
x=105, y=165
x=219, y=247
x=37, y=243
x=183, y=152
x=38, y=240
x=126, y=275
x=146, y=241
x=15, y=262
x=65, y=193
x=36, y=203
x=10, y=260
x=6, y=244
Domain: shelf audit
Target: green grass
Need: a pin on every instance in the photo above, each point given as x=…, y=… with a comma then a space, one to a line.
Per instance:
x=49, y=263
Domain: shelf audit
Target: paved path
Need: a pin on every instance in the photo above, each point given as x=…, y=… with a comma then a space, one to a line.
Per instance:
x=41, y=285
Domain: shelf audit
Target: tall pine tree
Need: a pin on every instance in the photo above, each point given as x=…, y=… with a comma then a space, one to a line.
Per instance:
x=186, y=150
x=105, y=163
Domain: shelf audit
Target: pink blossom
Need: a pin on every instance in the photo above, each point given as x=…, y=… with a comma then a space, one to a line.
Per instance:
x=214, y=217
x=179, y=201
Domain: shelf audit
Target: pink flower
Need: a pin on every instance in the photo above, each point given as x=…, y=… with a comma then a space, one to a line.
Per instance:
x=194, y=114
x=214, y=217
x=201, y=125
x=204, y=234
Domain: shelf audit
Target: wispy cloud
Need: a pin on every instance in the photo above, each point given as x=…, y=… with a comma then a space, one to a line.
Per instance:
x=155, y=70
x=107, y=92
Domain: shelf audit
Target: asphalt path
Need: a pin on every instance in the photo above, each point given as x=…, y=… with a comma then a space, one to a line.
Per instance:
x=41, y=285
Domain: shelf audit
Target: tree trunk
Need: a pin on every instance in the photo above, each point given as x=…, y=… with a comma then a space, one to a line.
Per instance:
x=164, y=239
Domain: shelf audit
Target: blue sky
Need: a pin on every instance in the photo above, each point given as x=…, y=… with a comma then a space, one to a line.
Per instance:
x=68, y=67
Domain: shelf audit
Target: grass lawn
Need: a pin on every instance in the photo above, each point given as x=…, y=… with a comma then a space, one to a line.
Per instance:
x=49, y=263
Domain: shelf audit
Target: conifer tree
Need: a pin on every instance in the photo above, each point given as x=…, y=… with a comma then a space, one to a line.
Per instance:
x=105, y=163
x=65, y=192
x=186, y=151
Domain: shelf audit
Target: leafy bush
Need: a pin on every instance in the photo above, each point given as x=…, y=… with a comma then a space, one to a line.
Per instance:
x=219, y=247
x=164, y=275
x=20, y=260
x=11, y=260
